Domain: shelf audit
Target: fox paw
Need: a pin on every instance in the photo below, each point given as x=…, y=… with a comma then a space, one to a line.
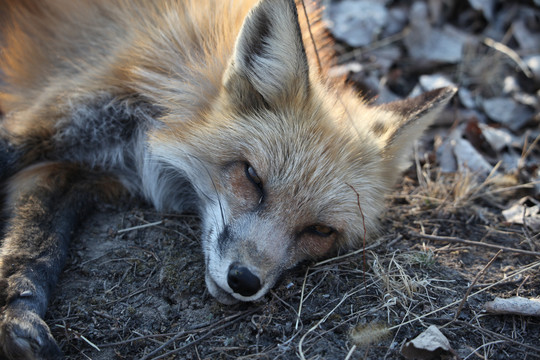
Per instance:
x=24, y=335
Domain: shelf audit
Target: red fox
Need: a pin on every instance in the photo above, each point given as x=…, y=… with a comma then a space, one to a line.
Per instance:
x=208, y=104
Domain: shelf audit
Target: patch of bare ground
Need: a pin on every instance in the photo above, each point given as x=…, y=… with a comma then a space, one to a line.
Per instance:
x=134, y=286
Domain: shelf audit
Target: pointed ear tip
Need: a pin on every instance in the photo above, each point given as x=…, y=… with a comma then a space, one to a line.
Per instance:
x=439, y=96
x=447, y=92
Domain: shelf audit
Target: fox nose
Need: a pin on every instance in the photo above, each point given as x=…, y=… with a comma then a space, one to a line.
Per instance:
x=243, y=281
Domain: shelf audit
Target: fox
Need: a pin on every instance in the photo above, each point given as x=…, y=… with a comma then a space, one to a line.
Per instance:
x=225, y=107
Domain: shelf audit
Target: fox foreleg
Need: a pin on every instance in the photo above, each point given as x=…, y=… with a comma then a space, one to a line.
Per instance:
x=9, y=156
x=46, y=202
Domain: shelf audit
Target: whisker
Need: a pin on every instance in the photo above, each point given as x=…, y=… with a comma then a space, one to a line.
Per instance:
x=213, y=185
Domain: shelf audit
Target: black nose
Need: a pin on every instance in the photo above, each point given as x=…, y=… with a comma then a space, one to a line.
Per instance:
x=243, y=281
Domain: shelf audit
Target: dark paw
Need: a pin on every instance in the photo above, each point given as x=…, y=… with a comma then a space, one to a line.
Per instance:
x=24, y=335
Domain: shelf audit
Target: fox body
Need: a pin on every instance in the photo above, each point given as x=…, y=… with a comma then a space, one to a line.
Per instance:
x=208, y=104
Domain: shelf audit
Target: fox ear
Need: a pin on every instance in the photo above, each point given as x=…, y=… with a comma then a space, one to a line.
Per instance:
x=269, y=54
x=410, y=118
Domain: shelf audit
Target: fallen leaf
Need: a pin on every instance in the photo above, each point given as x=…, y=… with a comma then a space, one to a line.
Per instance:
x=508, y=112
x=357, y=22
x=525, y=211
x=467, y=99
x=485, y=6
x=431, y=344
x=434, y=81
x=533, y=62
x=498, y=139
x=526, y=39
x=469, y=158
x=446, y=158
x=433, y=44
x=515, y=305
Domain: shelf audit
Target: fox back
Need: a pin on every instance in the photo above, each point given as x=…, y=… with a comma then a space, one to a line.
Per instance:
x=212, y=104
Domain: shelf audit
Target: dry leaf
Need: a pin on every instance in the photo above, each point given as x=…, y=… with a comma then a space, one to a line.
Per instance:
x=356, y=22
x=469, y=158
x=498, y=139
x=524, y=211
x=516, y=305
x=508, y=112
x=431, y=344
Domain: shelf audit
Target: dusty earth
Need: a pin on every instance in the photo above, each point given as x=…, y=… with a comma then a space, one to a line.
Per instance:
x=133, y=286
x=140, y=294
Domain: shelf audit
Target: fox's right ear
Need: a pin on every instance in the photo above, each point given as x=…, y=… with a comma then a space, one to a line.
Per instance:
x=269, y=56
x=405, y=122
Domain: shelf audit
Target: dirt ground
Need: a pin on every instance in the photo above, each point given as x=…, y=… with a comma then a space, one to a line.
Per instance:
x=134, y=288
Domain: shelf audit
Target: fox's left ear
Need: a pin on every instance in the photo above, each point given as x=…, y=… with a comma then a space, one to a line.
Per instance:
x=410, y=118
x=269, y=55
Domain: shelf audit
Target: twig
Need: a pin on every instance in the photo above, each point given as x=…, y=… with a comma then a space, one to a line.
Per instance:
x=521, y=284
x=140, y=227
x=364, y=238
x=301, y=300
x=474, y=243
x=284, y=302
x=474, y=352
x=349, y=354
x=144, y=337
x=511, y=54
x=527, y=152
x=528, y=185
x=136, y=292
x=79, y=336
x=474, y=282
x=359, y=251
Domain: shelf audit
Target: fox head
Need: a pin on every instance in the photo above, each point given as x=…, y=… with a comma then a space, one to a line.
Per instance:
x=286, y=166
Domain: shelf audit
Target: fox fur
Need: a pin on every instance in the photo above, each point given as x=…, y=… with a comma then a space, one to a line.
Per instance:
x=217, y=105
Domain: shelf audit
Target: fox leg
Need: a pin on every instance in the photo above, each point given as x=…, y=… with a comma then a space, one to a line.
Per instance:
x=46, y=202
x=9, y=156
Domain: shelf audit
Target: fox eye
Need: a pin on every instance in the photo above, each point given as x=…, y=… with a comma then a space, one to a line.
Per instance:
x=251, y=174
x=320, y=230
